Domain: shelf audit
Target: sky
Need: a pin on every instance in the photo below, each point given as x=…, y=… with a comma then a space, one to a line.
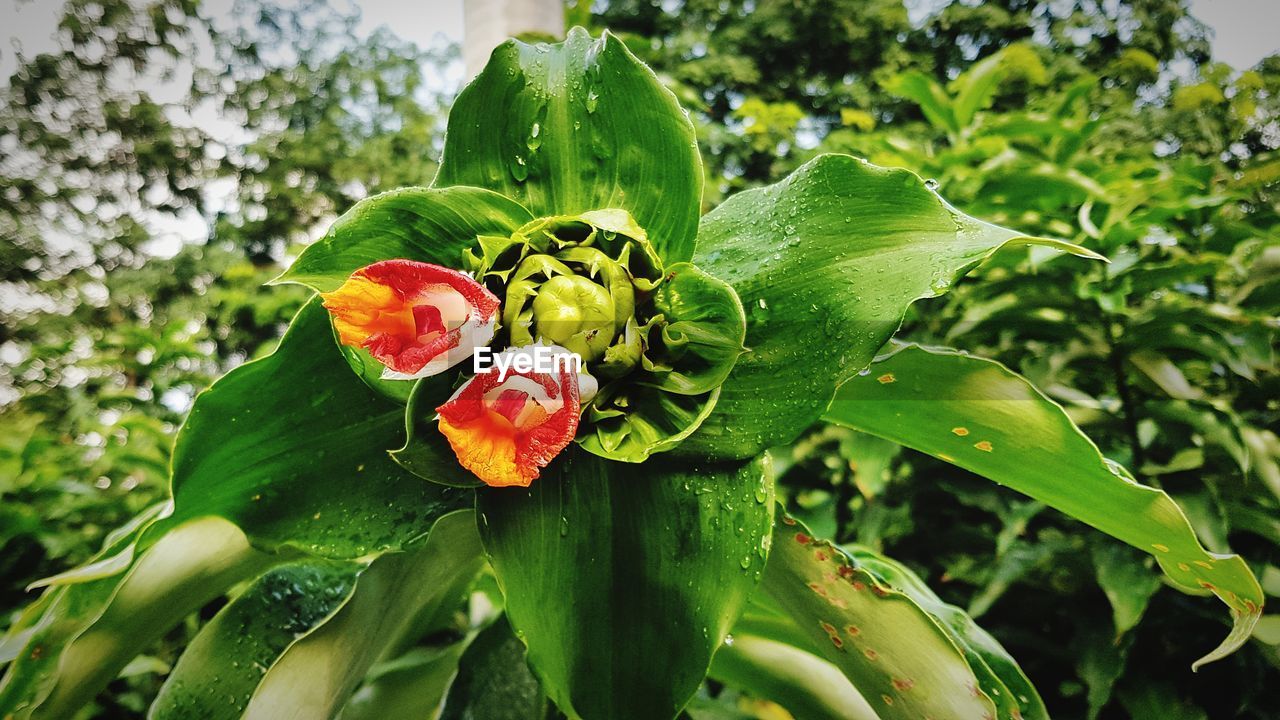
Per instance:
x=1244, y=31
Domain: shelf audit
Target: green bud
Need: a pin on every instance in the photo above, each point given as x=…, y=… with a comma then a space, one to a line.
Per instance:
x=575, y=313
x=611, y=275
x=659, y=339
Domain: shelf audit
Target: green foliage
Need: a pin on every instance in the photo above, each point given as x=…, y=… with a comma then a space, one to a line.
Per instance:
x=597, y=555
x=1184, y=204
x=258, y=626
x=437, y=225
x=563, y=136
x=306, y=468
x=826, y=276
x=1165, y=357
x=997, y=425
x=879, y=635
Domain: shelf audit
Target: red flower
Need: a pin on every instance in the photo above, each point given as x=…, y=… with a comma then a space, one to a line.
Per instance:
x=506, y=424
x=415, y=318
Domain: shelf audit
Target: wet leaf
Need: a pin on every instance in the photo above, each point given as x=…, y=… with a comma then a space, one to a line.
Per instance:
x=902, y=659
x=608, y=566
x=494, y=681
x=578, y=126
x=317, y=675
x=219, y=671
x=434, y=225
x=825, y=263
x=292, y=448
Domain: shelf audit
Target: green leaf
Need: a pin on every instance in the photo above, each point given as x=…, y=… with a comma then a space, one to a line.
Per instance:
x=930, y=96
x=578, y=126
x=705, y=332
x=292, y=448
x=369, y=370
x=981, y=416
x=1157, y=700
x=654, y=409
x=83, y=634
x=412, y=685
x=768, y=657
x=978, y=85
x=71, y=603
x=317, y=675
x=899, y=657
x=426, y=452
x=494, y=681
x=610, y=567
x=826, y=263
x=223, y=665
x=984, y=653
x=803, y=683
x=1100, y=662
x=435, y=225
x=1127, y=581
x=652, y=422
x=117, y=554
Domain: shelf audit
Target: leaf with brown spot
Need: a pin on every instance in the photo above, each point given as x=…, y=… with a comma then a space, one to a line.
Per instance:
x=1031, y=445
x=882, y=638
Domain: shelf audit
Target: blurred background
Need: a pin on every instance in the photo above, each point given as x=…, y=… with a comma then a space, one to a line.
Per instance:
x=161, y=159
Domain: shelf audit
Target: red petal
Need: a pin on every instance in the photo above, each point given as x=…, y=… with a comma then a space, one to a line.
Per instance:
x=404, y=283
x=487, y=442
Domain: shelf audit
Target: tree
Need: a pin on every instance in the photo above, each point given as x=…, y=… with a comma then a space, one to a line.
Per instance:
x=105, y=147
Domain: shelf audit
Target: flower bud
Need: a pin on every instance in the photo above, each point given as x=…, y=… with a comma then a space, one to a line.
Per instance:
x=576, y=313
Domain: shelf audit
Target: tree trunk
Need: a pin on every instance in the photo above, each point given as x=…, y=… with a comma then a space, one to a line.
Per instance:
x=487, y=23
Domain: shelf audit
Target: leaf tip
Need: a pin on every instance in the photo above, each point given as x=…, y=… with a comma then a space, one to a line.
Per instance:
x=1243, y=623
x=1064, y=246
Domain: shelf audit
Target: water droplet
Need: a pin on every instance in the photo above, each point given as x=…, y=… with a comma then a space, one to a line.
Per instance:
x=759, y=312
x=519, y=170
x=931, y=184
